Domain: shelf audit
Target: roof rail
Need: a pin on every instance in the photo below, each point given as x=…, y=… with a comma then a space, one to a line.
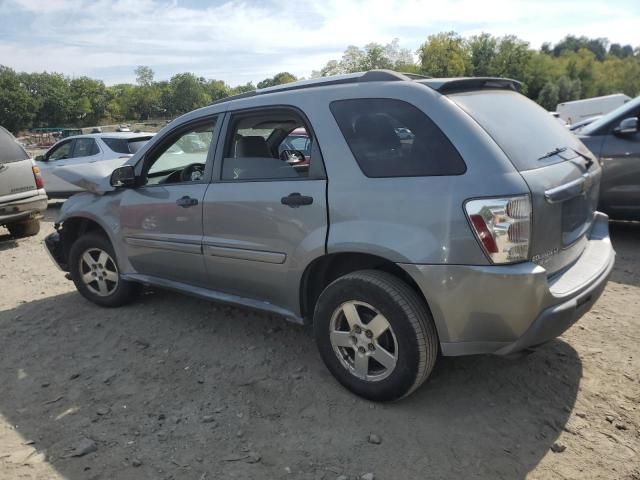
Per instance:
x=370, y=76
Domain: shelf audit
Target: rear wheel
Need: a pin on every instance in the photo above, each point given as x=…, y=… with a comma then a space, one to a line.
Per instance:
x=25, y=228
x=375, y=335
x=94, y=270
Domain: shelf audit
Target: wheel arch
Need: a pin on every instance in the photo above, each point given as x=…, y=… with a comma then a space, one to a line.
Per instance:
x=327, y=268
x=76, y=226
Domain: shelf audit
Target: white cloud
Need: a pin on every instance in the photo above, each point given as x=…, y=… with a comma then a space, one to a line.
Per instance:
x=238, y=40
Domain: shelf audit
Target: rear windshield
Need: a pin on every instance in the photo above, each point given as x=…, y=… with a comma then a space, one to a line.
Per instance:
x=126, y=145
x=525, y=131
x=10, y=149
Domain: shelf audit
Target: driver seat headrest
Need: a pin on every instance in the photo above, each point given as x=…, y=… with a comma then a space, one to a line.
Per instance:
x=252, y=146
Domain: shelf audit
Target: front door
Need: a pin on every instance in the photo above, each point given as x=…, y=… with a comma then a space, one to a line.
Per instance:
x=162, y=219
x=620, y=188
x=265, y=213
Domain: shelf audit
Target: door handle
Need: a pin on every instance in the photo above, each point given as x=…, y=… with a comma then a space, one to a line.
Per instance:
x=295, y=200
x=186, y=202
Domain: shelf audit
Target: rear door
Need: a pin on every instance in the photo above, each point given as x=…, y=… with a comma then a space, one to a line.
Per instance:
x=16, y=175
x=265, y=216
x=562, y=174
x=161, y=220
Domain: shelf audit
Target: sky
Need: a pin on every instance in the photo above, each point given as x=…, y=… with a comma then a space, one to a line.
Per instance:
x=248, y=40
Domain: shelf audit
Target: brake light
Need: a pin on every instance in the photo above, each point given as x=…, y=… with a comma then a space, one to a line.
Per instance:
x=38, y=177
x=502, y=226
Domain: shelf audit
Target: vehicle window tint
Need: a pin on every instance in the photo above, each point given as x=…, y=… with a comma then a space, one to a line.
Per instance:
x=392, y=138
x=118, y=145
x=253, y=147
x=184, y=158
x=85, y=147
x=61, y=151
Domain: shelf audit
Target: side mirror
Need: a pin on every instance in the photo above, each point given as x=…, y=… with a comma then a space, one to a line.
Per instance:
x=628, y=126
x=123, y=177
x=41, y=158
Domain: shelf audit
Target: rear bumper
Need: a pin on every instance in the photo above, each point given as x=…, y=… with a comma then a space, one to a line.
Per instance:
x=504, y=309
x=30, y=207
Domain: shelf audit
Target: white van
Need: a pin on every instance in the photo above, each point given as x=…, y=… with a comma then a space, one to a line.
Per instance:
x=572, y=112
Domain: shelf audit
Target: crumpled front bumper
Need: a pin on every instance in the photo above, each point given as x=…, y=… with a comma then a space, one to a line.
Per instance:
x=53, y=246
x=504, y=309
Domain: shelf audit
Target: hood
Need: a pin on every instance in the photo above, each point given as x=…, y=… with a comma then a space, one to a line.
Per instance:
x=94, y=177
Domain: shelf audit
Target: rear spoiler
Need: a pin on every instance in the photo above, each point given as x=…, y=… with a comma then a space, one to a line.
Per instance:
x=451, y=85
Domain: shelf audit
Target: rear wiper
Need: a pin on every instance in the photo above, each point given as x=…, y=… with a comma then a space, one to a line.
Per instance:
x=553, y=152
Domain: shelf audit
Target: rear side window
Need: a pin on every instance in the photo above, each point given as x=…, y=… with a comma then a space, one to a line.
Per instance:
x=392, y=138
x=125, y=145
x=10, y=149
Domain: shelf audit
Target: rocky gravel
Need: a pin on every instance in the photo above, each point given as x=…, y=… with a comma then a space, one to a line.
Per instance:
x=174, y=387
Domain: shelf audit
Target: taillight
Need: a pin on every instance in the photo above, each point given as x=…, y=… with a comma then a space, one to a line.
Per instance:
x=38, y=177
x=502, y=225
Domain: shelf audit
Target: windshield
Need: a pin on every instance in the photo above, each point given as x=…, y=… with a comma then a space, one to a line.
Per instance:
x=630, y=107
x=527, y=134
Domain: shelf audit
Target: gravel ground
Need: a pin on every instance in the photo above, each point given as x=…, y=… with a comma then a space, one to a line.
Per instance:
x=178, y=388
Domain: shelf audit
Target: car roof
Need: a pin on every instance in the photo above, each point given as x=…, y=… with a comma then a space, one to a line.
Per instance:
x=112, y=135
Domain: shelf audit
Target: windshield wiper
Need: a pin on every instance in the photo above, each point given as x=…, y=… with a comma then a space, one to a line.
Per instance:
x=589, y=161
x=553, y=152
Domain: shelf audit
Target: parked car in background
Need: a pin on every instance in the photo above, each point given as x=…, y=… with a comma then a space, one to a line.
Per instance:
x=476, y=234
x=576, y=127
x=614, y=138
x=83, y=149
x=576, y=110
x=22, y=195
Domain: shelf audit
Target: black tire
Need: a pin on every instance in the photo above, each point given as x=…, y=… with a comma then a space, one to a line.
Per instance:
x=415, y=340
x=24, y=228
x=123, y=292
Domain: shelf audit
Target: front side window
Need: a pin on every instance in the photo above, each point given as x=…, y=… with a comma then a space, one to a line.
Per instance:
x=61, y=151
x=392, y=138
x=85, y=147
x=183, y=158
x=261, y=146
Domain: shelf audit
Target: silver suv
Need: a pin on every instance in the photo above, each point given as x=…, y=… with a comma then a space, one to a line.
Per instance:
x=429, y=216
x=22, y=195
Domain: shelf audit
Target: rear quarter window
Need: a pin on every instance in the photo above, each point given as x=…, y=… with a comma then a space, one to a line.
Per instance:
x=392, y=138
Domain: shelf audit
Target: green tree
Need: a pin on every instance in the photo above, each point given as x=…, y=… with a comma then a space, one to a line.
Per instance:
x=186, y=93
x=445, y=55
x=278, y=79
x=17, y=107
x=144, y=75
x=483, y=50
x=548, y=97
x=51, y=93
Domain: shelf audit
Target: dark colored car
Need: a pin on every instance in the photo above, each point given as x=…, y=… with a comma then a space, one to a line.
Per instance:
x=614, y=138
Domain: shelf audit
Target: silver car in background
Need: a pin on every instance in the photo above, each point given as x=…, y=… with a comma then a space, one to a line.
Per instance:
x=22, y=194
x=428, y=217
x=82, y=150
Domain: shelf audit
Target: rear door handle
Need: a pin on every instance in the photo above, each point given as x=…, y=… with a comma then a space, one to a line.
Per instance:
x=186, y=202
x=295, y=200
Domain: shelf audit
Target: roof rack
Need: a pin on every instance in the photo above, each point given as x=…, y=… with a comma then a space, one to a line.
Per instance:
x=442, y=85
x=370, y=76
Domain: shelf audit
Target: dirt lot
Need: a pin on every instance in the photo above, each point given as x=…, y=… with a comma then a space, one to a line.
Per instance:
x=177, y=388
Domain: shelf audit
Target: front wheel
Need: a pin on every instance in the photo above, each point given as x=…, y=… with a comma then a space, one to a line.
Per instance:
x=95, y=273
x=375, y=335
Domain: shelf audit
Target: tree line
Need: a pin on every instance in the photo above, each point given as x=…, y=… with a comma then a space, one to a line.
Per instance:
x=574, y=68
